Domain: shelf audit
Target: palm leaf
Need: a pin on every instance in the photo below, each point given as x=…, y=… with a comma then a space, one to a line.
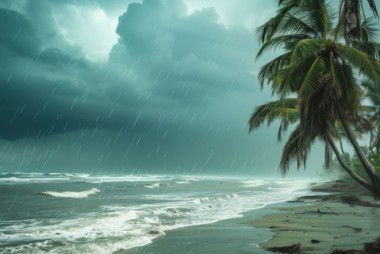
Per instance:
x=279, y=41
x=270, y=28
x=342, y=78
x=372, y=5
x=297, y=149
x=292, y=24
x=274, y=66
x=373, y=92
x=294, y=77
x=283, y=109
x=363, y=62
x=370, y=48
x=319, y=15
x=304, y=49
x=312, y=78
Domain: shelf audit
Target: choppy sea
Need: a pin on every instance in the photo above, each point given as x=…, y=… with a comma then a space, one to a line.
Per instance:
x=82, y=213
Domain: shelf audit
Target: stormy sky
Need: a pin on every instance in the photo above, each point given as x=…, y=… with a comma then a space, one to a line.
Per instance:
x=121, y=86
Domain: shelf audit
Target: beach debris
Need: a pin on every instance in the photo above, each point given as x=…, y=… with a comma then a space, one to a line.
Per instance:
x=286, y=249
x=347, y=252
x=315, y=241
x=354, y=200
x=156, y=232
x=318, y=211
x=357, y=230
x=369, y=248
x=373, y=247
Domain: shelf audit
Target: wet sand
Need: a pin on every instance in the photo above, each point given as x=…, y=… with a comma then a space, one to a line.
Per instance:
x=231, y=236
x=338, y=216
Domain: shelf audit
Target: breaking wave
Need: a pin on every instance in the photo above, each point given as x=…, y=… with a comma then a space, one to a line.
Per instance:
x=70, y=194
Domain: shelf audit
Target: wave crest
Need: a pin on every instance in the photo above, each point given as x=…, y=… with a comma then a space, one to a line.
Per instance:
x=70, y=194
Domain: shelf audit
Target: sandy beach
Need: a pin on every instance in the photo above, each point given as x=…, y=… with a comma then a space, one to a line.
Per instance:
x=340, y=216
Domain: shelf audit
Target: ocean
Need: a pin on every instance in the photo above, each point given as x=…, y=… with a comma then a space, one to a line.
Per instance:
x=82, y=213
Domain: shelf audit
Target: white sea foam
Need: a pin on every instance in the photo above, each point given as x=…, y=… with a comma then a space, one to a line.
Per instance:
x=128, y=178
x=70, y=194
x=253, y=183
x=182, y=182
x=153, y=185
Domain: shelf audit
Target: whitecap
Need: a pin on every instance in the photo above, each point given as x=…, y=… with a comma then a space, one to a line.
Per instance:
x=70, y=194
x=252, y=183
x=152, y=186
x=182, y=182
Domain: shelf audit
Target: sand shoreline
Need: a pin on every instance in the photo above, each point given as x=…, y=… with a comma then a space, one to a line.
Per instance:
x=331, y=219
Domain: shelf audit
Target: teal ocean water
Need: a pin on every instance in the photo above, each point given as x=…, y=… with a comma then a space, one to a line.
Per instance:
x=81, y=213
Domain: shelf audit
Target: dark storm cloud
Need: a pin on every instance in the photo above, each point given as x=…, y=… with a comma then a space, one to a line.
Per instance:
x=46, y=90
x=183, y=57
x=18, y=34
x=164, y=57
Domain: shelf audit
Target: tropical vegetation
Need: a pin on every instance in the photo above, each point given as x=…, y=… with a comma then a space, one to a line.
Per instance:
x=324, y=57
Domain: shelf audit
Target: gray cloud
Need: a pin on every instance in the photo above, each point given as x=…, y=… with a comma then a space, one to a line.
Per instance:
x=46, y=90
x=181, y=57
x=18, y=34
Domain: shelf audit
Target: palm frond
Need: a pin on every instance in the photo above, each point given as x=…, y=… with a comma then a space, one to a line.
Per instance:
x=284, y=125
x=373, y=92
x=370, y=48
x=297, y=149
x=363, y=62
x=362, y=124
x=293, y=24
x=373, y=7
x=271, y=27
x=304, y=49
x=342, y=77
x=279, y=41
x=290, y=79
x=319, y=15
x=312, y=78
x=283, y=109
x=274, y=66
x=369, y=29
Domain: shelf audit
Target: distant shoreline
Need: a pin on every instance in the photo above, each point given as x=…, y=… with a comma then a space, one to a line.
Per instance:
x=339, y=216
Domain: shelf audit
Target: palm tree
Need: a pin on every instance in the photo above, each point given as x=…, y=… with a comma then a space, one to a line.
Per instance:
x=286, y=110
x=319, y=65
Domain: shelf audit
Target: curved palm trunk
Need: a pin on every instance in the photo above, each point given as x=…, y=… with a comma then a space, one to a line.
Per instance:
x=368, y=167
x=345, y=166
x=378, y=142
x=376, y=187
